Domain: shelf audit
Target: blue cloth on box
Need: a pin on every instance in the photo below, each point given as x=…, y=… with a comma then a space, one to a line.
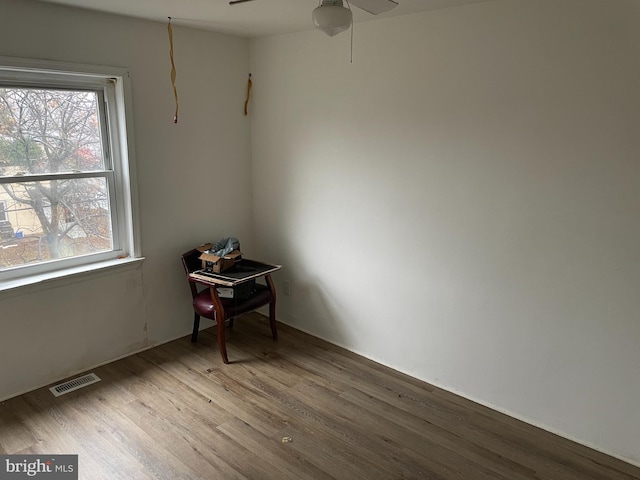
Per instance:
x=224, y=246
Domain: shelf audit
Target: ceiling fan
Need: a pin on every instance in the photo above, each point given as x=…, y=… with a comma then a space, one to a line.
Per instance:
x=332, y=17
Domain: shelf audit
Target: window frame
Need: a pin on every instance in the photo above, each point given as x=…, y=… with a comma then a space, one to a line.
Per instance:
x=114, y=83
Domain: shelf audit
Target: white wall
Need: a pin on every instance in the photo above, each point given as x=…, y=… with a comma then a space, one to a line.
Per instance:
x=186, y=175
x=461, y=203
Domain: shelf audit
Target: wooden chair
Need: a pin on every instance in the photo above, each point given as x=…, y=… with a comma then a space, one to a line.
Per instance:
x=208, y=304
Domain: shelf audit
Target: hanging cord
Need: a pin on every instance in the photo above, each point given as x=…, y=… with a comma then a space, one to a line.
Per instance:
x=173, y=69
x=246, y=103
x=351, y=59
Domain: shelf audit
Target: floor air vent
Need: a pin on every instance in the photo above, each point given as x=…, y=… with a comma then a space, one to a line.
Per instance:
x=74, y=384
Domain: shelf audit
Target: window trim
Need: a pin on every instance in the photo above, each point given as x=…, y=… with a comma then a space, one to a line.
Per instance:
x=119, y=124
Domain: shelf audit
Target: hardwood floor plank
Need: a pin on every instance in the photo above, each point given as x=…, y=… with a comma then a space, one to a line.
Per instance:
x=177, y=412
x=15, y=435
x=382, y=432
x=321, y=415
x=41, y=416
x=190, y=440
x=527, y=452
x=272, y=452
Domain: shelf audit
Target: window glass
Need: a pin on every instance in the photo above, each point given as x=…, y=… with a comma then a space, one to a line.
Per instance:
x=57, y=219
x=49, y=131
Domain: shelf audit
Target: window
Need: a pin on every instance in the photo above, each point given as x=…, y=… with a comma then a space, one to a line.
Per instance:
x=64, y=168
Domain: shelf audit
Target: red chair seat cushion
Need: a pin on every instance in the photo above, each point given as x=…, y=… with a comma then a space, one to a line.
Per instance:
x=203, y=304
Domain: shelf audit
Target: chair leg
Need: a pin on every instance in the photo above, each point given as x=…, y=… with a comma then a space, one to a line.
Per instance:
x=196, y=326
x=231, y=322
x=272, y=320
x=272, y=307
x=221, y=341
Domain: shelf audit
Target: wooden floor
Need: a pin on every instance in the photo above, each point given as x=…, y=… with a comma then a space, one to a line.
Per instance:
x=177, y=412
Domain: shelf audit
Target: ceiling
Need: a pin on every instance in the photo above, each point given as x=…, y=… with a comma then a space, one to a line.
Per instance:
x=252, y=19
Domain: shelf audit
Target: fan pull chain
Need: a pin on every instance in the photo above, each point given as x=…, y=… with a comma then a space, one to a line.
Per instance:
x=246, y=103
x=351, y=49
x=173, y=70
x=351, y=59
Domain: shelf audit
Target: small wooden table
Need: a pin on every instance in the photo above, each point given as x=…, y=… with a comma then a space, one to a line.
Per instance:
x=229, y=308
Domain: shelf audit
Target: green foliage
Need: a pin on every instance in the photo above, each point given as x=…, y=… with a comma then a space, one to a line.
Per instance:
x=18, y=152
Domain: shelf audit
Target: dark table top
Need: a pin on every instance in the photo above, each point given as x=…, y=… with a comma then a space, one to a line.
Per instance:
x=242, y=271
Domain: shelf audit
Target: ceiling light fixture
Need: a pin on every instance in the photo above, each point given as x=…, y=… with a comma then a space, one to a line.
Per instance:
x=332, y=17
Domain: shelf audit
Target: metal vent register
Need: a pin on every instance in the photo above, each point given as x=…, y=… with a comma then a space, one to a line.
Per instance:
x=74, y=384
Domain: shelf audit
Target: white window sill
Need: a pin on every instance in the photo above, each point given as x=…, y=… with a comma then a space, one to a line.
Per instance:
x=65, y=276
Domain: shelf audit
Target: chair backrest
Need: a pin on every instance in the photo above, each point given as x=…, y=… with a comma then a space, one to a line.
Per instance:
x=191, y=262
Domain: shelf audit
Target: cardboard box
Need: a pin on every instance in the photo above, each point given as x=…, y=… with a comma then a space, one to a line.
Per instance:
x=215, y=264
